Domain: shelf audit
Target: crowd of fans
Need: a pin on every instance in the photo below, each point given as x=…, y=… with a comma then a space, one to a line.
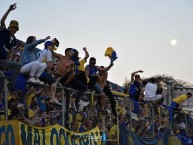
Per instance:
x=35, y=98
x=34, y=76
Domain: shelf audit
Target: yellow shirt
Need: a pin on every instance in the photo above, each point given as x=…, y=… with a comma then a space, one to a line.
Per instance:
x=180, y=99
x=31, y=113
x=113, y=131
x=121, y=110
x=9, y=97
x=81, y=66
x=78, y=117
x=70, y=118
x=29, y=99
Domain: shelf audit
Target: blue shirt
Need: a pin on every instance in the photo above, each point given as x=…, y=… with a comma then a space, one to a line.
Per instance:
x=92, y=71
x=42, y=102
x=29, y=53
x=134, y=89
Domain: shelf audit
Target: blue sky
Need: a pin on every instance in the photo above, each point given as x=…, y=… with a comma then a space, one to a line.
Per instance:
x=139, y=30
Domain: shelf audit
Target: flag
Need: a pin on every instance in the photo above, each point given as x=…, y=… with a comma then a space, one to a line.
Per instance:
x=110, y=52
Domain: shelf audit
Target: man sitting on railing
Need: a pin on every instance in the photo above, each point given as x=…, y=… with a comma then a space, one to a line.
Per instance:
x=94, y=80
x=176, y=108
x=7, y=43
x=150, y=91
x=65, y=74
x=135, y=86
x=45, y=56
x=30, y=65
x=79, y=65
x=178, y=101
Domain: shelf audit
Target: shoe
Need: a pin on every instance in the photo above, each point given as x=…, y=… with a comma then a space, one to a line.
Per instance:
x=55, y=102
x=39, y=82
x=32, y=80
x=134, y=116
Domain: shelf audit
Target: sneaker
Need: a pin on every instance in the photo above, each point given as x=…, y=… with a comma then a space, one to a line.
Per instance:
x=55, y=102
x=31, y=80
x=39, y=82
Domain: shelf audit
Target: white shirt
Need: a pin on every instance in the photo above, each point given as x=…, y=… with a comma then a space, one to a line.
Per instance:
x=44, y=56
x=82, y=104
x=150, y=90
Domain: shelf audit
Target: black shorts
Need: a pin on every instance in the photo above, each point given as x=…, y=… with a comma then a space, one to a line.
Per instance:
x=64, y=78
x=46, y=77
x=81, y=76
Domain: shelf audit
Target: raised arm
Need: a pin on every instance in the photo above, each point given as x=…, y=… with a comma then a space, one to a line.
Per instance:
x=35, y=43
x=133, y=74
x=180, y=105
x=11, y=7
x=86, y=53
x=104, y=69
x=87, y=69
x=57, y=55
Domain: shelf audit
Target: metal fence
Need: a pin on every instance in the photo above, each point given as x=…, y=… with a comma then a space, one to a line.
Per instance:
x=144, y=119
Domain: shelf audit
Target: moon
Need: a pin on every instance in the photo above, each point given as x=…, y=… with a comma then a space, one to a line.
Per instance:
x=173, y=42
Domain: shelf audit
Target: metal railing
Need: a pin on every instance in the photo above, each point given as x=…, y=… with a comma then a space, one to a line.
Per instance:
x=148, y=119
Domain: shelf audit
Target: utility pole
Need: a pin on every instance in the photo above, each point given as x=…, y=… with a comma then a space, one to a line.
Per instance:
x=169, y=92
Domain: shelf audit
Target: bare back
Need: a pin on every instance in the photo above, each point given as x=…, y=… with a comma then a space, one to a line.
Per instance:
x=102, y=79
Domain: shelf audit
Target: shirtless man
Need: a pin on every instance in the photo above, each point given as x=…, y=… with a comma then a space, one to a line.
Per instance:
x=102, y=78
x=66, y=75
x=98, y=87
x=102, y=81
x=64, y=67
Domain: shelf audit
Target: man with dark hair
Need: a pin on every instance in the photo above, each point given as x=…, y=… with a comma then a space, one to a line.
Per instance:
x=65, y=74
x=150, y=91
x=7, y=44
x=64, y=67
x=94, y=80
x=79, y=65
x=176, y=107
x=135, y=86
x=178, y=101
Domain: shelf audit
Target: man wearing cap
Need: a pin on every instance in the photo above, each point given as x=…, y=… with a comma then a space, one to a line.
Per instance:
x=45, y=56
x=7, y=42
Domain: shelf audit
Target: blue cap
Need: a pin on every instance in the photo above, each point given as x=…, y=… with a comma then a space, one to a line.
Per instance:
x=48, y=43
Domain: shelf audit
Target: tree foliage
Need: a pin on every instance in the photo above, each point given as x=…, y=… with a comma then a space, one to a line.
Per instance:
x=163, y=79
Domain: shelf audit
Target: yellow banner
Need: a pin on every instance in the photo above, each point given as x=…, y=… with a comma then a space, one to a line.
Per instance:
x=17, y=133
